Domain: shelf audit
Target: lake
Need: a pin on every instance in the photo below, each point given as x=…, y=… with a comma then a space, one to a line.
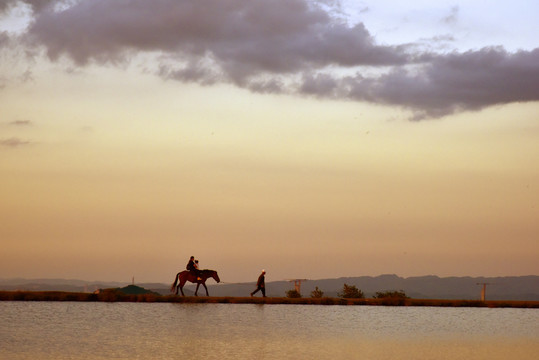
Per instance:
x=96, y=330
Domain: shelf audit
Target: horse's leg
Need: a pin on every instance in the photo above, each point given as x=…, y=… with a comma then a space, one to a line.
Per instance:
x=196, y=291
x=204, y=284
x=182, y=283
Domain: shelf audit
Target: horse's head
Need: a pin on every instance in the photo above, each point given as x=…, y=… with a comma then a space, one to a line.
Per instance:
x=215, y=276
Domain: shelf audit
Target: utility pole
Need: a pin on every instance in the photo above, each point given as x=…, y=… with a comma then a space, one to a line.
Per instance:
x=483, y=290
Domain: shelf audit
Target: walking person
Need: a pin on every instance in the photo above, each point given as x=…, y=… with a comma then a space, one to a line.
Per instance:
x=261, y=284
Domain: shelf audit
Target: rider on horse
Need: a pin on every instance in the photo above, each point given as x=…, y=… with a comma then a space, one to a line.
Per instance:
x=192, y=266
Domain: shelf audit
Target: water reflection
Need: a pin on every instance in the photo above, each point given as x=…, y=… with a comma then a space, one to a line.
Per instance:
x=49, y=330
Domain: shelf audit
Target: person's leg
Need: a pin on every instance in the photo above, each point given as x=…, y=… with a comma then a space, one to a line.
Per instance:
x=263, y=292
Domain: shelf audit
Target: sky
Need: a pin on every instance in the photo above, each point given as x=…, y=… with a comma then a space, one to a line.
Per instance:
x=312, y=139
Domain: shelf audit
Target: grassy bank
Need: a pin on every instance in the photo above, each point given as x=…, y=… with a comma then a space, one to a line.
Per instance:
x=113, y=296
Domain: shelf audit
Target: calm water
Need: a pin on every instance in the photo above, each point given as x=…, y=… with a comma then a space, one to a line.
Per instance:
x=78, y=330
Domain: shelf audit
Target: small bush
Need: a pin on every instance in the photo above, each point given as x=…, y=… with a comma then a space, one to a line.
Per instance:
x=317, y=293
x=293, y=294
x=351, y=292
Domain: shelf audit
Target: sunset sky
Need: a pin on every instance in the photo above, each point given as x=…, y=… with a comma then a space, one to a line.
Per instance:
x=314, y=139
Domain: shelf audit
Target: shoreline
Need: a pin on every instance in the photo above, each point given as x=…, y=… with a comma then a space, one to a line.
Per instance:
x=152, y=298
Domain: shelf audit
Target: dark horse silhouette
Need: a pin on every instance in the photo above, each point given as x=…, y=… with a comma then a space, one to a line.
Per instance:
x=184, y=276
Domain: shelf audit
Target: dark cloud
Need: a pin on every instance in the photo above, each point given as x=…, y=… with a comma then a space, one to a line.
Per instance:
x=282, y=46
x=4, y=5
x=13, y=142
x=447, y=84
x=4, y=39
x=242, y=37
x=468, y=81
x=323, y=85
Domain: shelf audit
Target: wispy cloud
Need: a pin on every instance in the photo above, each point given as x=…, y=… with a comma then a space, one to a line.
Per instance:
x=21, y=123
x=452, y=18
x=364, y=10
x=282, y=46
x=13, y=142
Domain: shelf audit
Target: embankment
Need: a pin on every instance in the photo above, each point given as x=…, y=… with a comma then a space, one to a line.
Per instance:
x=152, y=298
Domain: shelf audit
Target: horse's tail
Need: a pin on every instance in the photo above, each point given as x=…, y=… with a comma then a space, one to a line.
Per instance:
x=173, y=286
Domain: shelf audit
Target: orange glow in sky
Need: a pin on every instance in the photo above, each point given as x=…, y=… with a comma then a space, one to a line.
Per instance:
x=111, y=169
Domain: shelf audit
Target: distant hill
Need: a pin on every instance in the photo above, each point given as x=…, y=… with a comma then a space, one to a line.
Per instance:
x=421, y=287
x=73, y=285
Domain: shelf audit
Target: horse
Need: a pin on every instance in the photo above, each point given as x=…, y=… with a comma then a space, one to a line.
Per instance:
x=184, y=276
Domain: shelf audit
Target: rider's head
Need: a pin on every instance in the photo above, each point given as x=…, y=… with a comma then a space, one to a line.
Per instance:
x=192, y=257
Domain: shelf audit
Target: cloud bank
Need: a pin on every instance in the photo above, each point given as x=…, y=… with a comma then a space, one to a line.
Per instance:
x=279, y=46
x=13, y=142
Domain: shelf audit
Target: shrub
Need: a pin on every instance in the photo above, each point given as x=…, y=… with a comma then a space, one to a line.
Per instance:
x=317, y=293
x=351, y=292
x=293, y=294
